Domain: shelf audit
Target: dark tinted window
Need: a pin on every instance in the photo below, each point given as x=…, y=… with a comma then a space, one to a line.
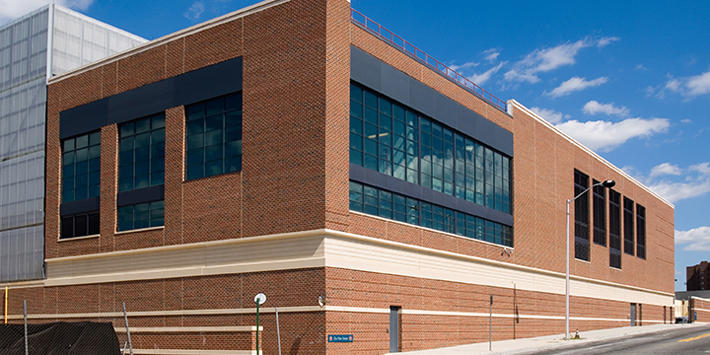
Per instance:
x=79, y=225
x=581, y=216
x=640, y=231
x=628, y=226
x=142, y=215
x=390, y=205
x=214, y=137
x=387, y=137
x=141, y=157
x=599, y=206
x=614, y=229
x=81, y=167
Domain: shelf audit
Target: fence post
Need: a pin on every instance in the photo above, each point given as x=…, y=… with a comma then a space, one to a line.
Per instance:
x=24, y=311
x=128, y=331
x=278, y=332
x=490, y=324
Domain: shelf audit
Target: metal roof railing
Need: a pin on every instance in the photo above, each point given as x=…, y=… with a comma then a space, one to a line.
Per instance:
x=398, y=42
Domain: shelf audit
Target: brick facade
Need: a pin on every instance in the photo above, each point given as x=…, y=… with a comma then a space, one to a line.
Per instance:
x=294, y=178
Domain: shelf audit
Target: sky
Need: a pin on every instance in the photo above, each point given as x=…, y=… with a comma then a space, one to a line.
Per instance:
x=629, y=79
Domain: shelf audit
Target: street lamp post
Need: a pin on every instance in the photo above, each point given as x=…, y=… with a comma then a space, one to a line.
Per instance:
x=607, y=184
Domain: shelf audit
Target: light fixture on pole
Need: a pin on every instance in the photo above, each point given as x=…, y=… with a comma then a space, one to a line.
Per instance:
x=259, y=299
x=607, y=184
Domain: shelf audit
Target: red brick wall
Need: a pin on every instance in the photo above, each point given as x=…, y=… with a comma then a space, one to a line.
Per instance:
x=372, y=290
x=701, y=308
x=543, y=166
x=292, y=53
x=304, y=332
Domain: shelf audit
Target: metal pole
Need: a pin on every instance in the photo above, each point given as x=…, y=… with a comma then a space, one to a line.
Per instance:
x=257, y=328
x=5, y=304
x=24, y=311
x=490, y=324
x=567, y=279
x=128, y=330
x=278, y=333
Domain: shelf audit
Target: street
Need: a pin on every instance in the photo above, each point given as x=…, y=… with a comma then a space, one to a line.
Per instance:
x=677, y=341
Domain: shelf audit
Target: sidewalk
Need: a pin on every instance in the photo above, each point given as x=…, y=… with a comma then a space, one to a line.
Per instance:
x=549, y=342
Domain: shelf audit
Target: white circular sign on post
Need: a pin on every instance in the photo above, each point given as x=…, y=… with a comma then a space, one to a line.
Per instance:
x=260, y=299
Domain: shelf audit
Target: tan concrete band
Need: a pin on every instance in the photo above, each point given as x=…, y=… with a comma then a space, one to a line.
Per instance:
x=170, y=313
x=326, y=308
x=215, y=329
x=194, y=352
x=325, y=248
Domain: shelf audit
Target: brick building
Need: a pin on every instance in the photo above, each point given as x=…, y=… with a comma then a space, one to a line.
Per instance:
x=296, y=148
x=698, y=277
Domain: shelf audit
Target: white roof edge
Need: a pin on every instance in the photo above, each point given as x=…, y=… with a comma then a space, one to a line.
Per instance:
x=99, y=23
x=263, y=5
x=554, y=129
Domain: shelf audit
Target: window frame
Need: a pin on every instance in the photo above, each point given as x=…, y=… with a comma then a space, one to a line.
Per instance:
x=155, y=177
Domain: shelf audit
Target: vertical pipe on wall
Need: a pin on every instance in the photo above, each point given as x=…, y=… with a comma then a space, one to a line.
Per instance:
x=6, y=304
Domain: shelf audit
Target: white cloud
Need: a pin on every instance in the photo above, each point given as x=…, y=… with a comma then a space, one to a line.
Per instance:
x=547, y=59
x=575, y=84
x=665, y=169
x=676, y=191
x=549, y=115
x=688, y=87
x=696, y=239
x=491, y=54
x=543, y=60
x=702, y=168
x=194, y=11
x=466, y=65
x=641, y=67
x=605, y=135
x=686, y=120
x=11, y=9
x=605, y=41
x=594, y=107
x=481, y=78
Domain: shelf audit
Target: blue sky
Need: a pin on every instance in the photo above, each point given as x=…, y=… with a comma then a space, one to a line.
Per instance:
x=630, y=79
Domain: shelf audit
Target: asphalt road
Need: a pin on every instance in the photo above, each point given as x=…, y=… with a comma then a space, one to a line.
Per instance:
x=676, y=341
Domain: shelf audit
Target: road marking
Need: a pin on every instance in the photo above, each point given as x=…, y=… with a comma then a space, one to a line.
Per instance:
x=694, y=338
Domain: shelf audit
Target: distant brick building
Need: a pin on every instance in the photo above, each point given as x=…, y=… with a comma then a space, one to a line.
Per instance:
x=293, y=148
x=698, y=277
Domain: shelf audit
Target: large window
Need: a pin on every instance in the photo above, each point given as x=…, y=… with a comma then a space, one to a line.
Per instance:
x=628, y=226
x=214, y=136
x=640, y=231
x=614, y=229
x=390, y=205
x=396, y=141
x=581, y=216
x=81, y=167
x=599, y=206
x=142, y=215
x=80, y=225
x=141, y=160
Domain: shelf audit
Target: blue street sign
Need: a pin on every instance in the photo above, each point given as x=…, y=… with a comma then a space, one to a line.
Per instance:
x=340, y=338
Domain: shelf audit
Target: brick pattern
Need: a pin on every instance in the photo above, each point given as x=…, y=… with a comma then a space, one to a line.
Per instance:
x=699, y=307
x=372, y=290
x=303, y=332
x=295, y=177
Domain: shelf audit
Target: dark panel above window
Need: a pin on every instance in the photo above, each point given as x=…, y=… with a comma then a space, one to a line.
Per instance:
x=197, y=85
x=385, y=79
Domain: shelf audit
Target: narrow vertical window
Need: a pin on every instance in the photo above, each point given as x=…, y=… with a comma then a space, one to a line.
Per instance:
x=599, y=207
x=628, y=226
x=81, y=167
x=640, y=231
x=141, y=160
x=614, y=229
x=356, y=125
x=581, y=216
x=214, y=137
